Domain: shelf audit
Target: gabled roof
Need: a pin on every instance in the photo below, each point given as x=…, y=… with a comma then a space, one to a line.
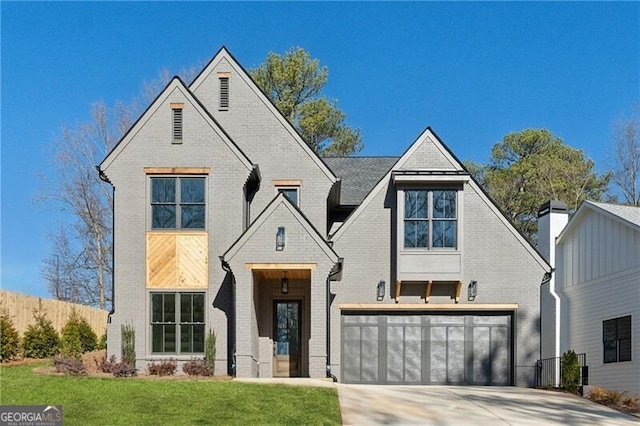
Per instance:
x=175, y=84
x=281, y=200
x=223, y=53
x=626, y=215
x=358, y=175
x=430, y=135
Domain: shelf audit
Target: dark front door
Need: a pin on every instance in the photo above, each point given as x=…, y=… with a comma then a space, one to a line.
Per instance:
x=286, y=338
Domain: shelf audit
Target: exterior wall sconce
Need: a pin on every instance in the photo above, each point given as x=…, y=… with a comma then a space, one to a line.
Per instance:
x=473, y=289
x=381, y=290
x=284, y=283
x=280, y=239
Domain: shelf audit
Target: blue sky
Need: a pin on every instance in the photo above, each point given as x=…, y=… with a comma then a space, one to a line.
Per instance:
x=472, y=71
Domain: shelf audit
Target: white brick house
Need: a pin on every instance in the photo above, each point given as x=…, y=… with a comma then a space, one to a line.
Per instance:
x=372, y=269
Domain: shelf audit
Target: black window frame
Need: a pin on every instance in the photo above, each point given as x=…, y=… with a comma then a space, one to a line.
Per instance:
x=617, y=340
x=286, y=189
x=431, y=219
x=172, y=322
x=177, y=205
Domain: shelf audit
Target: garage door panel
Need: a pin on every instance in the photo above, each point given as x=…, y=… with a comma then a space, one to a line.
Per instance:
x=427, y=349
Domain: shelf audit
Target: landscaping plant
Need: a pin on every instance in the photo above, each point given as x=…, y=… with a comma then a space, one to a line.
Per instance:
x=165, y=367
x=40, y=340
x=210, y=351
x=9, y=338
x=128, y=335
x=77, y=336
x=70, y=365
x=570, y=372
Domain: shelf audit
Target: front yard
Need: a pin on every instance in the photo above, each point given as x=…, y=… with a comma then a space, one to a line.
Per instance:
x=100, y=401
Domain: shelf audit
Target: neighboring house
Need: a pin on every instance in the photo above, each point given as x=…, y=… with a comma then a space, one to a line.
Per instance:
x=375, y=270
x=596, y=289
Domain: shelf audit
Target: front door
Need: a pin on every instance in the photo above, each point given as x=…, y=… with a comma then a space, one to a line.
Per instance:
x=286, y=338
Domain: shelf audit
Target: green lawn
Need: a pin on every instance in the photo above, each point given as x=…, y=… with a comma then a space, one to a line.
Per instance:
x=111, y=401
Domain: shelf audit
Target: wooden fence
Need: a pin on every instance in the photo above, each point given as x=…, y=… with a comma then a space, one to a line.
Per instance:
x=20, y=308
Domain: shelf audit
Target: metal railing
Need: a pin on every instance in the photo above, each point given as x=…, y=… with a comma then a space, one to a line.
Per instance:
x=549, y=371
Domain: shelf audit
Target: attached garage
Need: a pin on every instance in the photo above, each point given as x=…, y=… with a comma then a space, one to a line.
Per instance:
x=429, y=348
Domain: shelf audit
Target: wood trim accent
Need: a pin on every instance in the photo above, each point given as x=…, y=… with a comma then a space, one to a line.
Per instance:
x=398, y=287
x=177, y=260
x=458, y=291
x=177, y=170
x=427, y=292
x=431, y=307
x=287, y=182
x=177, y=105
x=222, y=74
x=280, y=266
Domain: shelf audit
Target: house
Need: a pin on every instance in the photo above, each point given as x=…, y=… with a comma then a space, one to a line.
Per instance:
x=592, y=305
x=370, y=270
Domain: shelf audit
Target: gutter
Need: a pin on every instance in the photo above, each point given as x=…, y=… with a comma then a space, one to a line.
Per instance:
x=335, y=271
x=103, y=177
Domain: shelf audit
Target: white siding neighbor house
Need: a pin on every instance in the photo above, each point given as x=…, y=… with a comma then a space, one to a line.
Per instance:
x=597, y=289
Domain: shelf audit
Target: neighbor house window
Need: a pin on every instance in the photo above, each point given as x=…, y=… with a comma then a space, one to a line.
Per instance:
x=177, y=203
x=616, y=337
x=177, y=323
x=430, y=218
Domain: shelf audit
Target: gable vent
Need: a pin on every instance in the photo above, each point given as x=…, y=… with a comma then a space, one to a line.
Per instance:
x=177, y=125
x=224, y=93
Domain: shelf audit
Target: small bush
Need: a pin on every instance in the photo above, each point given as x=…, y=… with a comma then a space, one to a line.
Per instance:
x=128, y=336
x=570, y=372
x=166, y=367
x=210, y=351
x=122, y=369
x=618, y=400
x=105, y=365
x=102, y=342
x=197, y=367
x=40, y=340
x=9, y=339
x=77, y=336
x=69, y=365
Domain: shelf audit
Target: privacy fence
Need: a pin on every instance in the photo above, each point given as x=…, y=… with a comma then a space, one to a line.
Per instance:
x=20, y=308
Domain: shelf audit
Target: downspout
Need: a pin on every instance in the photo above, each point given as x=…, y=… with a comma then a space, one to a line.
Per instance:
x=103, y=177
x=556, y=297
x=337, y=269
x=227, y=269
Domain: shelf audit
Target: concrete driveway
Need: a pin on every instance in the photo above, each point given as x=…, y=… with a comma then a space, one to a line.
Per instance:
x=451, y=405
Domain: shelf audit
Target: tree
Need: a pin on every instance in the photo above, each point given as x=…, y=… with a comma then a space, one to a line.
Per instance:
x=625, y=167
x=533, y=166
x=80, y=267
x=294, y=82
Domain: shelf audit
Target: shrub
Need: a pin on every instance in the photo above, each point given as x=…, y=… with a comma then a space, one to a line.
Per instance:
x=166, y=367
x=77, y=336
x=40, y=340
x=9, y=339
x=69, y=365
x=128, y=336
x=570, y=372
x=118, y=369
x=614, y=399
x=102, y=342
x=210, y=351
x=197, y=367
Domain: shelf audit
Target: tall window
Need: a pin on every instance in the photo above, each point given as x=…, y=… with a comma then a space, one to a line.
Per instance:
x=177, y=202
x=616, y=337
x=177, y=323
x=430, y=218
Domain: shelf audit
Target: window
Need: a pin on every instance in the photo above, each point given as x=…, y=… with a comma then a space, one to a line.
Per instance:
x=177, y=125
x=430, y=218
x=290, y=193
x=177, y=203
x=616, y=337
x=224, y=93
x=177, y=323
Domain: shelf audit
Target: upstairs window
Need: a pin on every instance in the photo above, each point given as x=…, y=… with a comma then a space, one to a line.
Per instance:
x=430, y=219
x=616, y=337
x=290, y=193
x=177, y=323
x=178, y=203
x=176, y=128
x=224, y=92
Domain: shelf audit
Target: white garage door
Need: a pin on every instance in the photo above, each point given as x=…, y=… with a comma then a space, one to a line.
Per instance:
x=400, y=348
